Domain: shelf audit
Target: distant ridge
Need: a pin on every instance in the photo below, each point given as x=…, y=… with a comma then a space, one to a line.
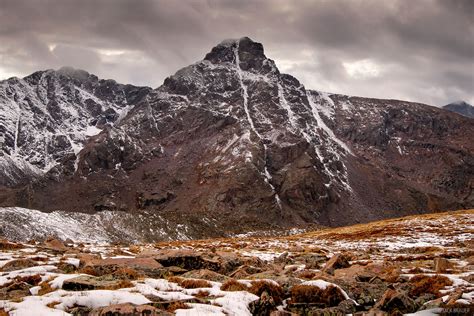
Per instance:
x=461, y=107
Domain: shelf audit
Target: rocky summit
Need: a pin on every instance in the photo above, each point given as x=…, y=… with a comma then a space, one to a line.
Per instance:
x=226, y=146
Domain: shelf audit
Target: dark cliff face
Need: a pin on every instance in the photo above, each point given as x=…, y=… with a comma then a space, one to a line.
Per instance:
x=229, y=144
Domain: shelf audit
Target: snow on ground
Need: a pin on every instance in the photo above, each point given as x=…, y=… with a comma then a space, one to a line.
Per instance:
x=230, y=303
x=21, y=224
x=265, y=256
x=323, y=285
x=65, y=299
x=396, y=239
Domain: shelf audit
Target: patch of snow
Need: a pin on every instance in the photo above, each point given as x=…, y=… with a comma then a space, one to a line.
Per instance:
x=200, y=310
x=428, y=312
x=323, y=285
x=57, y=282
x=265, y=256
x=315, y=108
x=74, y=261
x=92, y=131
x=236, y=303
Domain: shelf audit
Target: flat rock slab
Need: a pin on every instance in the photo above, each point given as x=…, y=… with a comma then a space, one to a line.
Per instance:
x=188, y=260
x=205, y=275
x=15, y=291
x=55, y=245
x=84, y=283
x=139, y=262
x=18, y=264
x=166, y=304
x=128, y=309
x=146, y=266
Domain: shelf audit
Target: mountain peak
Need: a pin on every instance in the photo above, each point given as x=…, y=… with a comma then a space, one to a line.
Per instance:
x=78, y=75
x=251, y=54
x=73, y=73
x=461, y=107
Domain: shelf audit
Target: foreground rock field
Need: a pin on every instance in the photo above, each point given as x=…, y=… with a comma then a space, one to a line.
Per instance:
x=419, y=264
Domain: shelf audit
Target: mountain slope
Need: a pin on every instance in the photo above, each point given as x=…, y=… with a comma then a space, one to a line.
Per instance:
x=230, y=145
x=423, y=156
x=461, y=107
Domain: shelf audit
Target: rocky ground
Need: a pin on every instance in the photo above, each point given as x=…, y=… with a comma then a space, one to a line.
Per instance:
x=419, y=264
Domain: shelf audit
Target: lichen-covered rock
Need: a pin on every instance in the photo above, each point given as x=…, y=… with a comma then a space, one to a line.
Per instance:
x=18, y=264
x=205, y=274
x=83, y=283
x=128, y=309
x=15, y=291
x=188, y=260
x=263, y=306
x=395, y=302
x=337, y=261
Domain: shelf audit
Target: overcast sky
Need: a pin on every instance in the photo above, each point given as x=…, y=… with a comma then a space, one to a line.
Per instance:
x=419, y=50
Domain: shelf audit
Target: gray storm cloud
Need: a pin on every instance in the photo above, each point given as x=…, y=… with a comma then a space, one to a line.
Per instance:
x=414, y=50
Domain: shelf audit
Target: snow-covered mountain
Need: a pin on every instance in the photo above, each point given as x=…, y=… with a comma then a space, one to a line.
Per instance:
x=460, y=107
x=46, y=117
x=229, y=145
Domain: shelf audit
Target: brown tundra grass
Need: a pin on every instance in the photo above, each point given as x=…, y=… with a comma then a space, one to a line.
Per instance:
x=275, y=291
x=52, y=304
x=30, y=279
x=127, y=273
x=330, y=296
x=176, y=305
x=45, y=287
x=120, y=285
x=202, y=294
x=195, y=284
x=233, y=285
x=189, y=283
x=6, y=245
x=88, y=270
x=421, y=284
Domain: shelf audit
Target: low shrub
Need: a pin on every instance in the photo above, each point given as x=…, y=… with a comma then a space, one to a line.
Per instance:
x=202, y=294
x=45, y=288
x=175, y=279
x=6, y=245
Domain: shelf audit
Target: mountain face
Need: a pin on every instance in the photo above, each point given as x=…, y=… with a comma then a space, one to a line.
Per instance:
x=461, y=107
x=47, y=116
x=225, y=146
